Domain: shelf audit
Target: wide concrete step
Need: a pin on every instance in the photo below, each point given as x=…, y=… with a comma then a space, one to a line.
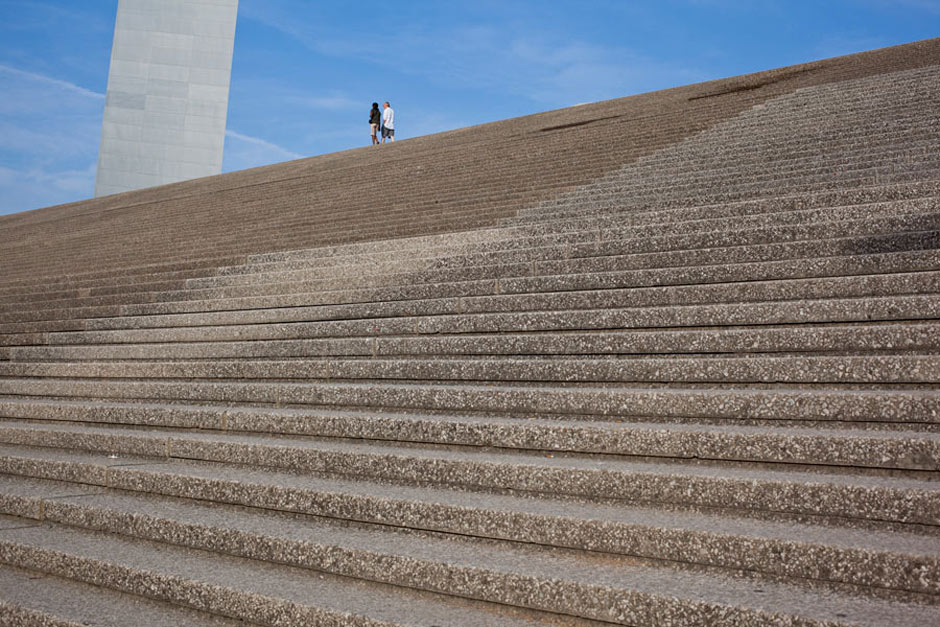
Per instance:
x=280, y=594
x=855, y=446
x=790, y=140
x=724, y=216
x=776, y=134
x=840, y=404
x=852, y=96
x=803, y=114
x=331, y=249
x=908, y=498
x=732, y=190
x=754, y=169
x=841, y=255
x=646, y=213
x=893, y=217
x=886, y=369
x=407, y=557
x=594, y=215
x=541, y=247
x=294, y=234
x=896, y=224
x=906, y=233
x=571, y=280
x=575, y=270
x=29, y=598
x=255, y=591
x=789, y=150
x=127, y=281
x=618, y=207
x=845, y=153
x=605, y=525
x=783, y=312
x=879, y=297
x=617, y=271
x=378, y=235
x=727, y=263
x=166, y=268
x=897, y=337
x=39, y=293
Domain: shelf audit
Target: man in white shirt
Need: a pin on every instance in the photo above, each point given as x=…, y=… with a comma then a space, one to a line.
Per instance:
x=388, y=123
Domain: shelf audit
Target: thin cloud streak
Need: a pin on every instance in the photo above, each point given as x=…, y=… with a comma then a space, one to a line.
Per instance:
x=22, y=190
x=257, y=141
x=550, y=70
x=52, y=81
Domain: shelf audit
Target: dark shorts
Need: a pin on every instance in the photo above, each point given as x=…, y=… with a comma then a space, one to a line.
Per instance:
x=388, y=132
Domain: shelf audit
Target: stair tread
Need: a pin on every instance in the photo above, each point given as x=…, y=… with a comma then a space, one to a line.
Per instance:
x=245, y=580
x=36, y=598
x=486, y=460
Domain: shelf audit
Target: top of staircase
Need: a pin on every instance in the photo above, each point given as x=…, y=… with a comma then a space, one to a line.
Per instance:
x=452, y=181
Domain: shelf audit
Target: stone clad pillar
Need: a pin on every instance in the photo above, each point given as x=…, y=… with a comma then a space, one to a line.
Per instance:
x=167, y=99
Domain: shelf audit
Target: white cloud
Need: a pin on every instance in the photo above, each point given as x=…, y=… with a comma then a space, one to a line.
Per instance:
x=245, y=151
x=52, y=81
x=22, y=190
x=548, y=68
x=55, y=140
x=257, y=141
x=564, y=74
x=32, y=15
x=49, y=133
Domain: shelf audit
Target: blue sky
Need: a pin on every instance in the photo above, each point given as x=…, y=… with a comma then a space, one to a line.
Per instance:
x=305, y=72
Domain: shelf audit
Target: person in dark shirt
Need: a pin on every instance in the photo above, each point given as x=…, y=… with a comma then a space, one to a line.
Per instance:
x=375, y=118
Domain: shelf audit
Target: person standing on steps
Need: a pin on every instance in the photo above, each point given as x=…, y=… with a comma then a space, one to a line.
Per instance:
x=375, y=120
x=388, y=123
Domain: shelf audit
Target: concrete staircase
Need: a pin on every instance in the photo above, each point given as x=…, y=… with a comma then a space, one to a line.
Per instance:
x=698, y=387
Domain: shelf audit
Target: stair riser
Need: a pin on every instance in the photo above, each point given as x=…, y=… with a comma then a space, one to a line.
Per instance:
x=905, y=307
x=854, y=449
x=706, y=240
x=867, y=227
x=888, y=504
x=916, y=338
x=775, y=404
x=188, y=593
x=553, y=246
x=735, y=264
x=884, y=370
x=561, y=209
x=463, y=581
x=778, y=557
